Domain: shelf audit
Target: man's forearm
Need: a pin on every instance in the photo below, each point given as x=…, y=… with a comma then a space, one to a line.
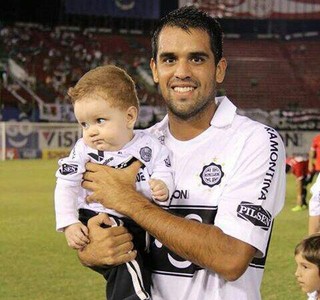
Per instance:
x=203, y=244
x=314, y=224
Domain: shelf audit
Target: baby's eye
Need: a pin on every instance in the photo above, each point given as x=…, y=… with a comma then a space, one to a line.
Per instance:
x=84, y=125
x=101, y=120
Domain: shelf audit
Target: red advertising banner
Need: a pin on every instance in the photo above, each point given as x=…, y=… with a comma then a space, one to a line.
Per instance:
x=258, y=9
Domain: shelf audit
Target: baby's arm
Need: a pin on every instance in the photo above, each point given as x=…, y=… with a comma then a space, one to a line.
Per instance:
x=77, y=235
x=159, y=190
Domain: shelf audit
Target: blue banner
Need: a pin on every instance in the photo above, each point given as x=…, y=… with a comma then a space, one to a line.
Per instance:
x=145, y=9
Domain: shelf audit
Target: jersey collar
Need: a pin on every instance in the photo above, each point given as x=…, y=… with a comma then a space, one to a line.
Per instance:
x=224, y=114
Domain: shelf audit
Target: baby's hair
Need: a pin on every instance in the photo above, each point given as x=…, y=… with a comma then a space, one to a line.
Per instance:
x=108, y=82
x=309, y=248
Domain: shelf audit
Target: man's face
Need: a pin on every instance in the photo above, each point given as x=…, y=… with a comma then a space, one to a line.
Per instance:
x=186, y=72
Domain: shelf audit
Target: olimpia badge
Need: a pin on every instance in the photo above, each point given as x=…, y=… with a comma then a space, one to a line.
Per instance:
x=211, y=175
x=146, y=154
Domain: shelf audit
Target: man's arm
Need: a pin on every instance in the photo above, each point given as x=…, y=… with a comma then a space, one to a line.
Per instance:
x=203, y=244
x=311, y=159
x=314, y=224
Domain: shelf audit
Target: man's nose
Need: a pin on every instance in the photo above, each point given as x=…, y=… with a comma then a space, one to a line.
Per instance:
x=183, y=70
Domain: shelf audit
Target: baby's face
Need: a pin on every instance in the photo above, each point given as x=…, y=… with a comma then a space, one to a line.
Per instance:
x=307, y=274
x=105, y=127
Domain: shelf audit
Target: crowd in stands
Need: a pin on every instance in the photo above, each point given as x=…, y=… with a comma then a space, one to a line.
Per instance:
x=266, y=74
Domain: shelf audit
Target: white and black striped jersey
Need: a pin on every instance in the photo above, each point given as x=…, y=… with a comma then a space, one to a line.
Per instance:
x=70, y=196
x=233, y=176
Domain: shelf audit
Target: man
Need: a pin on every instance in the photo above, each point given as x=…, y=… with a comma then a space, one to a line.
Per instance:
x=298, y=165
x=229, y=175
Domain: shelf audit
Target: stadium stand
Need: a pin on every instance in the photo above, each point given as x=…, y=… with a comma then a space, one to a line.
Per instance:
x=277, y=72
x=262, y=76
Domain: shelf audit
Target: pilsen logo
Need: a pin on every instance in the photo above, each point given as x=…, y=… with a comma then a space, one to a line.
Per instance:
x=254, y=214
x=211, y=175
x=68, y=169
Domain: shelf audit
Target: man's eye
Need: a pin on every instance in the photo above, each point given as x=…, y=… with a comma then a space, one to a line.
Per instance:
x=197, y=60
x=84, y=125
x=169, y=60
x=101, y=120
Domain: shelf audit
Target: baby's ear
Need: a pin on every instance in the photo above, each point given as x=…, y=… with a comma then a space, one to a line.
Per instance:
x=132, y=115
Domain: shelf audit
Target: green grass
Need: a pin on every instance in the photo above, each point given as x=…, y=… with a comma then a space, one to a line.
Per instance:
x=36, y=263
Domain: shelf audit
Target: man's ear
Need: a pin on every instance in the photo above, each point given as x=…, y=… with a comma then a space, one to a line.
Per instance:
x=221, y=70
x=132, y=115
x=153, y=67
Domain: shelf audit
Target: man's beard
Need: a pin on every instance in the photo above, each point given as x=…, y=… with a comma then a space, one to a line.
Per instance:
x=193, y=112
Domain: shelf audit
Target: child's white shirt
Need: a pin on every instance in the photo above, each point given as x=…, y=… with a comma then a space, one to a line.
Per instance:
x=313, y=295
x=70, y=196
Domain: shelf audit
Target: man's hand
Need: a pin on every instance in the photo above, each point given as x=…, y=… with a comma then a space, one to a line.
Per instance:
x=110, y=186
x=108, y=246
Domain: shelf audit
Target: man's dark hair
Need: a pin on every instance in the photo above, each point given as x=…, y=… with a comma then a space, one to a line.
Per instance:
x=188, y=17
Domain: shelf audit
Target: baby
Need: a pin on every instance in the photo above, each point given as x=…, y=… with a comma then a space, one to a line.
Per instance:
x=106, y=107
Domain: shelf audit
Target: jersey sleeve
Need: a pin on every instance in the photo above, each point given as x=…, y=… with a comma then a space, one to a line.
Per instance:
x=157, y=159
x=69, y=177
x=255, y=190
x=162, y=168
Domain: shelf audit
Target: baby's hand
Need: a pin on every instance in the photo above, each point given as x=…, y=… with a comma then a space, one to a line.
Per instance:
x=159, y=190
x=77, y=236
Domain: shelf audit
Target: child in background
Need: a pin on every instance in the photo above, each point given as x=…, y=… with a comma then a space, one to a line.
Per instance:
x=106, y=106
x=307, y=256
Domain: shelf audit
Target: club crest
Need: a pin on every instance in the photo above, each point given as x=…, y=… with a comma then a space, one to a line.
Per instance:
x=211, y=174
x=146, y=154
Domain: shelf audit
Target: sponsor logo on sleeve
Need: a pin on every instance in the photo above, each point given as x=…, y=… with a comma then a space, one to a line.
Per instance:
x=146, y=154
x=68, y=169
x=254, y=214
x=211, y=175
